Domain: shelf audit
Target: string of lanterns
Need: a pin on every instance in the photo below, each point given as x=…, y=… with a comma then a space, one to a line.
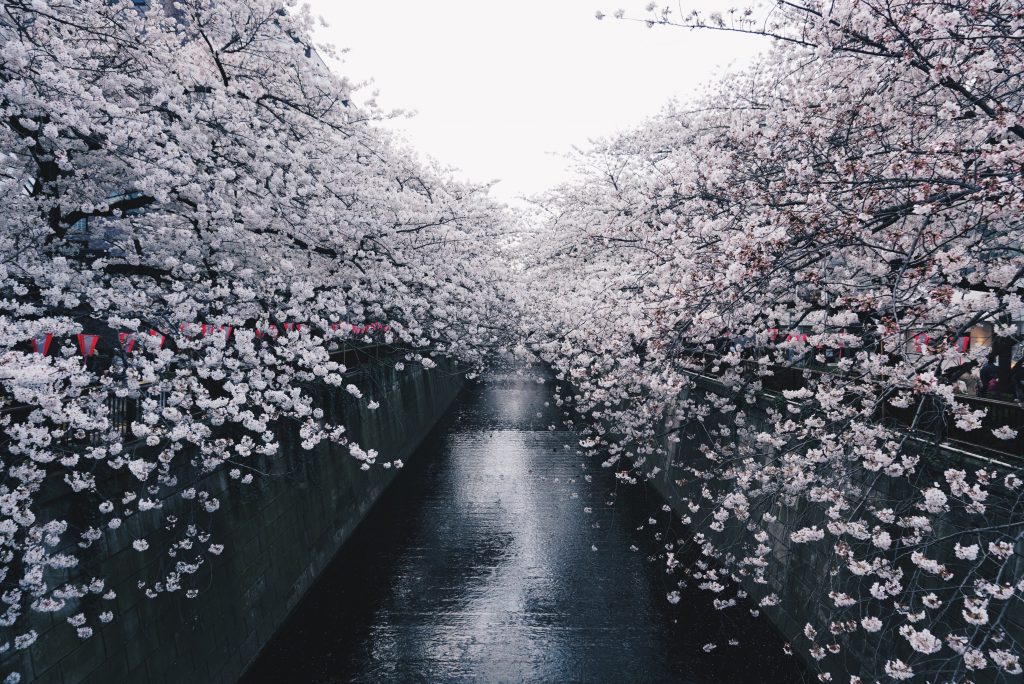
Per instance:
x=89, y=343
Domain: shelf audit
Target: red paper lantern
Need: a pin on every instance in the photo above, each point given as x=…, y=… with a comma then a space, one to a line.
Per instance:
x=160, y=338
x=87, y=344
x=41, y=344
x=127, y=341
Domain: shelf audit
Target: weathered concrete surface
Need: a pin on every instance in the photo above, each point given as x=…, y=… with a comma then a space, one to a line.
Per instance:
x=800, y=574
x=478, y=565
x=279, y=534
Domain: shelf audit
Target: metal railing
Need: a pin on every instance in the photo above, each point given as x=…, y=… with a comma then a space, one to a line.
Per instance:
x=936, y=425
x=122, y=411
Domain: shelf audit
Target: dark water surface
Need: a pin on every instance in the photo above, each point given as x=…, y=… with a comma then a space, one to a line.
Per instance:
x=478, y=564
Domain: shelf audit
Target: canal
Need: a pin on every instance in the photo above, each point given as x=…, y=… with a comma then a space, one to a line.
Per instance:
x=483, y=563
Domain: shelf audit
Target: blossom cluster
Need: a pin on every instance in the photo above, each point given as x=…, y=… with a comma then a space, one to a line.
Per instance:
x=168, y=163
x=859, y=183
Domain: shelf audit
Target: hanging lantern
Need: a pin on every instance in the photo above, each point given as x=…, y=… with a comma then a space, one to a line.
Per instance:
x=41, y=344
x=87, y=344
x=208, y=329
x=160, y=338
x=270, y=330
x=127, y=342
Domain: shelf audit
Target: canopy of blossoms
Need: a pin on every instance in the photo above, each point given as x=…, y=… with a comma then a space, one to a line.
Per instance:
x=849, y=206
x=195, y=214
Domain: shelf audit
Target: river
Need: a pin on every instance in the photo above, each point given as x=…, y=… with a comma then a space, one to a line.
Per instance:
x=482, y=563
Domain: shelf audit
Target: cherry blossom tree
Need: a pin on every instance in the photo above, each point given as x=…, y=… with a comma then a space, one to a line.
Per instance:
x=192, y=184
x=829, y=225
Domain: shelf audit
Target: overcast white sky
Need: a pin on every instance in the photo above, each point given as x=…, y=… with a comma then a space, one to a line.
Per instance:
x=503, y=90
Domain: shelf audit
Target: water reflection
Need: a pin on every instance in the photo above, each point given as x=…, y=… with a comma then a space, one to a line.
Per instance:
x=479, y=564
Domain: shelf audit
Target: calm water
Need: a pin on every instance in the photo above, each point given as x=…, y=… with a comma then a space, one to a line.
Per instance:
x=478, y=564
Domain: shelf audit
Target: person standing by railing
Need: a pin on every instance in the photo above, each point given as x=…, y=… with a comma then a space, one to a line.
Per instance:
x=989, y=378
x=1017, y=378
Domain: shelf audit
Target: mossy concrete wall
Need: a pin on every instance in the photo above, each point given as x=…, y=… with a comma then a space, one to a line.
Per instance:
x=279, y=533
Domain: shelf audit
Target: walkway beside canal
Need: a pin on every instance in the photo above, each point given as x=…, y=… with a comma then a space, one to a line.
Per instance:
x=481, y=563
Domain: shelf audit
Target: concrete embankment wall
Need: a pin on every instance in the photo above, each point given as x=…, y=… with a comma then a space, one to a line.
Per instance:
x=801, y=574
x=279, y=533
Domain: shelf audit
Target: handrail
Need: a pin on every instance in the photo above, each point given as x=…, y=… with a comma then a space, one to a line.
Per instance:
x=997, y=413
x=121, y=414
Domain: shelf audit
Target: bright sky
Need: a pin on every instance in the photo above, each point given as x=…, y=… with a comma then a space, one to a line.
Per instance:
x=503, y=90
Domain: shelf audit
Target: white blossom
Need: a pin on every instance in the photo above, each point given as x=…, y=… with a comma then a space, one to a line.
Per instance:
x=898, y=670
x=871, y=624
